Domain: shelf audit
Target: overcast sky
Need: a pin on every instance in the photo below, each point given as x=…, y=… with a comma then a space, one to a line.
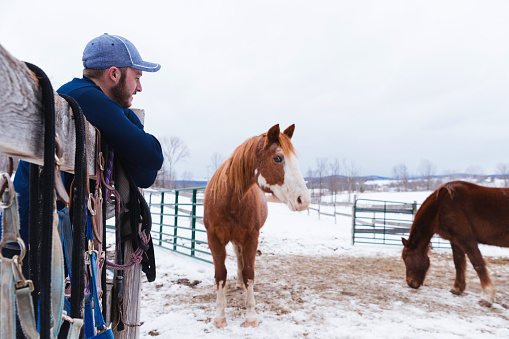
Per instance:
x=374, y=83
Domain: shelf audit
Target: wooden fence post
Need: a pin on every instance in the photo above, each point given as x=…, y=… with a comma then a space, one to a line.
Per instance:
x=132, y=276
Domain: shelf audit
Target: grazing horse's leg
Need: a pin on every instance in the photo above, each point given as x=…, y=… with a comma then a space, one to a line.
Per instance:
x=460, y=263
x=248, y=257
x=475, y=256
x=219, y=256
x=240, y=266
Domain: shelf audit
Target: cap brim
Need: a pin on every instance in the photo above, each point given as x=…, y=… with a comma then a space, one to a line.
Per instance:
x=146, y=66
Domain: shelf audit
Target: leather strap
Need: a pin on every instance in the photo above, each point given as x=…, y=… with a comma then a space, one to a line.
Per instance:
x=7, y=315
x=26, y=312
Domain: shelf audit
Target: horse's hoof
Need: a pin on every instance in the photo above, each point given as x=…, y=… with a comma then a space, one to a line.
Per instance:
x=251, y=323
x=220, y=323
x=240, y=286
x=455, y=291
x=484, y=303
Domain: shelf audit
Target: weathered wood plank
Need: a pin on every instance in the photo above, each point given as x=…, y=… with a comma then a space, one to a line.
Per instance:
x=21, y=118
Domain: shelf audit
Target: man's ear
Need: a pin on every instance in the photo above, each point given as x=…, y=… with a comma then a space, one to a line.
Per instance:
x=113, y=74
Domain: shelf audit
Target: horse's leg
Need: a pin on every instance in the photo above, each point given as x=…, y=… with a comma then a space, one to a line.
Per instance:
x=219, y=256
x=248, y=257
x=475, y=256
x=240, y=266
x=460, y=263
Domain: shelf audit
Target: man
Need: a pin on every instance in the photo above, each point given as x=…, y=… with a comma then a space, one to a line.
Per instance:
x=113, y=68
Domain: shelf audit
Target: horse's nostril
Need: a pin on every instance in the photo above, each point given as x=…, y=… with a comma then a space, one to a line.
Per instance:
x=299, y=200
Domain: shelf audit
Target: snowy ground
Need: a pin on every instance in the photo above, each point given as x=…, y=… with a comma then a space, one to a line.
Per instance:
x=312, y=283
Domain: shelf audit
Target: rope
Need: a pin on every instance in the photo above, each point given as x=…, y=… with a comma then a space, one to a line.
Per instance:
x=135, y=258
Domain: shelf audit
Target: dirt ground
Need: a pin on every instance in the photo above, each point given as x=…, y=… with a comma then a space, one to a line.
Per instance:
x=290, y=283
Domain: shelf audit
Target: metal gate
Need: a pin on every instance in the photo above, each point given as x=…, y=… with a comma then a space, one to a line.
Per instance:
x=177, y=221
x=385, y=222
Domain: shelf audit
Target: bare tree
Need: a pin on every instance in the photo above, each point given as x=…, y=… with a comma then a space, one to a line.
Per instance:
x=352, y=174
x=400, y=173
x=311, y=182
x=503, y=170
x=334, y=179
x=427, y=172
x=216, y=160
x=321, y=172
x=174, y=151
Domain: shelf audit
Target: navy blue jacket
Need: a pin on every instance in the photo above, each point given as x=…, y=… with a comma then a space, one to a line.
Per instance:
x=119, y=127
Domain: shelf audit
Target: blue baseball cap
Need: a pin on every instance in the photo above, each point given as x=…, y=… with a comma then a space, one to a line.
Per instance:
x=107, y=50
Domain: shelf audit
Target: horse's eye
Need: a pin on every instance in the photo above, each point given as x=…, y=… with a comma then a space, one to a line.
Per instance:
x=277, y=159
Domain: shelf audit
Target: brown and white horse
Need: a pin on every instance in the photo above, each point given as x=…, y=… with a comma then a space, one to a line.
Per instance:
x=467, y=215
x=235, y=207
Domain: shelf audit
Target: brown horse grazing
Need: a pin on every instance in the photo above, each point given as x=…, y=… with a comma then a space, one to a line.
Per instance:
x=465, y=214
x=235, y=207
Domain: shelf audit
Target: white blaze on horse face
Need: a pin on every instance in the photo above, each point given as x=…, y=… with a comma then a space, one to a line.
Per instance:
x=293, y=192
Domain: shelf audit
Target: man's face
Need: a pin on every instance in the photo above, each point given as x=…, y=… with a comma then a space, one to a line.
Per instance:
x=128, y=85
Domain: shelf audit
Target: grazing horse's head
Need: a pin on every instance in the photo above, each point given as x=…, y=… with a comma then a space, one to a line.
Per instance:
x=277, y=169
x=416, y=262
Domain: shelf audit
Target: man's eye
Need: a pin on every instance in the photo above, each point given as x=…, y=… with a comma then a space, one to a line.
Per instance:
x=277, y=159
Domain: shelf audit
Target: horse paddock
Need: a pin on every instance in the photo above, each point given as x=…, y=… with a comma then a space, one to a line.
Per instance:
x=339, y=297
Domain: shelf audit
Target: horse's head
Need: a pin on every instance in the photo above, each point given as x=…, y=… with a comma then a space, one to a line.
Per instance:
x=277, y=169
x=416, y=262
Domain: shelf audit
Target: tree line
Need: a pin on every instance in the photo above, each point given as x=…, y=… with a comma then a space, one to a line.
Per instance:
x=329, y=177
x=334, y=177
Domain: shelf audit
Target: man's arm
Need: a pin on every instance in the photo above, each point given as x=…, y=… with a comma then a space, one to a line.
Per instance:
x=141, y=151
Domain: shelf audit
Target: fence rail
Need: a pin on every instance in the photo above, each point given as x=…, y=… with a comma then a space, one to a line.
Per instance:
x=385, y=222
x=333, y=214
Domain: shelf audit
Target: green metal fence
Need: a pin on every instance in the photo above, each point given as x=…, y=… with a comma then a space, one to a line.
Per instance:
x=177, y=221
x=385, y=222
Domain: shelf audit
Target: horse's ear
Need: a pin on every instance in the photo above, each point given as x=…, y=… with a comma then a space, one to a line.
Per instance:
x=289, y=131
x=404, y=241
x=273, y=134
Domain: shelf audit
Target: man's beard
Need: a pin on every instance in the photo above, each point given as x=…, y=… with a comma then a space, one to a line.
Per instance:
x=120, y=93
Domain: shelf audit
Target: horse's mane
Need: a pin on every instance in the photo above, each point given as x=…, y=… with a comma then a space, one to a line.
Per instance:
x=449, y=186
x=239, y=167
x=421, y=227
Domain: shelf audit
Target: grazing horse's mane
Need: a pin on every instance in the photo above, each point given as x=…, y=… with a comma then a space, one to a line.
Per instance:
x=239, y=167
x=449, y=186
x=422, y=230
